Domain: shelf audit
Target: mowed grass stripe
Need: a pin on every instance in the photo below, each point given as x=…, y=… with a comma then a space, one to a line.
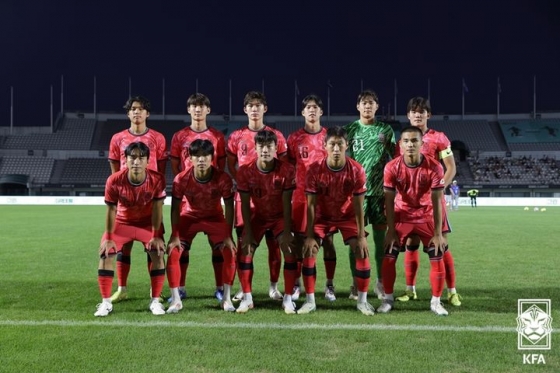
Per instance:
x=241, y=326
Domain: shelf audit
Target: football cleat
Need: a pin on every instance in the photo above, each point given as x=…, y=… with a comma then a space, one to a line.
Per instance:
x=157, y=308
x=353, y=293
x=386, y=306
x=454, y=299
x=329, y=293
x=103, y=309
x=366, y=308
x=438, y=309
x=118, y=296
x=174, y=307
x=244, y=306
x=408, y=295
x=306, y=308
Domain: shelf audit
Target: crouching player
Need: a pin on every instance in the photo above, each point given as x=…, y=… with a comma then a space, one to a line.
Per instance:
x=268, y=183
x=203, y=186
x=335, y=189
x=413, y=185
x=134, y=198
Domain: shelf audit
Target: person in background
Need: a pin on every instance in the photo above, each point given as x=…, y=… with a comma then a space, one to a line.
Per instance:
x=455, y=193
x=473, y=193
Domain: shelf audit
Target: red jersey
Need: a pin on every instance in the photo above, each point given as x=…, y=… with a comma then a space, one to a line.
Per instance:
x=414, y=187
x=241, y=143
x=204, y=199
x=305, y=148
x=335, y=189
x=153, y=139
x=134, y=202
x=182, y=140
x=435, y=144
x=266, y=188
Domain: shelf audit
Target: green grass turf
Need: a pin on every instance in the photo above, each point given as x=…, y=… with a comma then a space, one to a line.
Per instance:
x=48, y=263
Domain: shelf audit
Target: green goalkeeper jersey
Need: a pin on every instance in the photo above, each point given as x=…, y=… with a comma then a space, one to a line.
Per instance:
x=372, y=145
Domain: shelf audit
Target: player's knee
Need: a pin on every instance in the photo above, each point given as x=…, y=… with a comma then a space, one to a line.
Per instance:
x=412, y=247
x=125, y=259
x=431, y=251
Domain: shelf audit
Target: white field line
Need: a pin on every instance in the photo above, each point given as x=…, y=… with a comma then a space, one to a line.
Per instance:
x=259, y=326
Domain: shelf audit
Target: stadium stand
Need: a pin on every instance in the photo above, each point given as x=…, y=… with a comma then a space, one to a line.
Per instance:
x=74, y=158
x=85, y=171
x=476, y=134
x=515, y=170
x=38, y=168
x=73, y=134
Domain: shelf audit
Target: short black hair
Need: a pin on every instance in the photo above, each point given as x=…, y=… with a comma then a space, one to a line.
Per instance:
x=312, y=97
x=266, y=136
x=336, y=131
x=412, y=129
x=421, y=103
x=142, y=148
x=201, y=147
x=198, y=99
x=140, y=99
x=368, y=93
x=254, y=95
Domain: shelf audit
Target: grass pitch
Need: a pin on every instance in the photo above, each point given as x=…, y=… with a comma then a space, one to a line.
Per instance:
x=48, y=264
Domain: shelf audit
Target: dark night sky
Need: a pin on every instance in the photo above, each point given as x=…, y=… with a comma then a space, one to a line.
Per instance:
x=213, y=41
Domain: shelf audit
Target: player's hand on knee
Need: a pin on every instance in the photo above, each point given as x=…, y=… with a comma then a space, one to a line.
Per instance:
x=310, y=247
x=248, y=249
x=108, y=247
x=286, y=241
x=229, y=245
x=156, y=244
x=438, y=242
x=174, y=242
x=391, y=241
x=362, y=250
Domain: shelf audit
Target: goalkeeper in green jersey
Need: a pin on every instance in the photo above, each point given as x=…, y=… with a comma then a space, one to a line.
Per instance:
x=372, y=144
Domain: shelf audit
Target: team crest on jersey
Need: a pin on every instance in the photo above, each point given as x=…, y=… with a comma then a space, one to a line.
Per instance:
x=381, y=137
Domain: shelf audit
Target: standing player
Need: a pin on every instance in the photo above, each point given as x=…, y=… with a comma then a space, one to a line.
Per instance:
x=437, y=146
x=268, y=183
x=138, y=111
x=198, y=106
x=203, y=186
x=304, y=146
x=134, y=198
x=372, y=144
x=455, y=192
x=335, y=189
x=418, y=180
x=241, y=151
